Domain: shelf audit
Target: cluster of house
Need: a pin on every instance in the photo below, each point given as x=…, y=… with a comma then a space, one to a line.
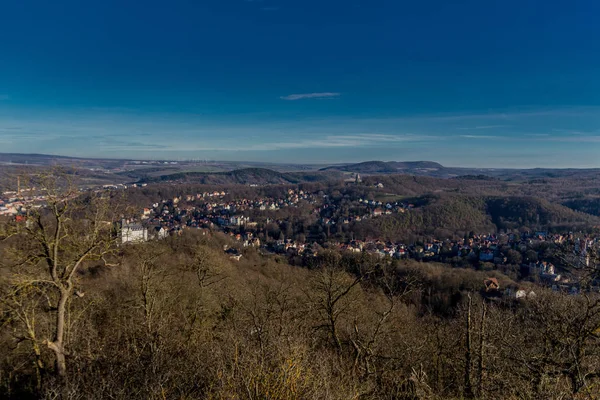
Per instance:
x=545, y=270
x=492, y=290
x=118, y=186
x=214, y=210
x=263, y=203
x=13, y=203
x=485, y=248
x=378, y=208
x=369, y=209
x=18, y=202
x=378, y=247
x=207, y=210
x=357, y=180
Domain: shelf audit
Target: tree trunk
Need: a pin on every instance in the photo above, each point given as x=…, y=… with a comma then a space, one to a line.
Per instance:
x=481, y=364
x=333, y=330
x=57, y=346
x=468, y=391
x=61, y=364
x=39, y=365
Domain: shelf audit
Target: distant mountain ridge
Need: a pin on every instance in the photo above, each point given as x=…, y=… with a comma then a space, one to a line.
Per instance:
x=140, y=170
x=387, y=167
x=265, y=176
x=245, y=176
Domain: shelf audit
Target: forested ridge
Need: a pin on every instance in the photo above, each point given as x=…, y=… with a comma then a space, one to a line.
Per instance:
x=255, y=176
x=454, y=215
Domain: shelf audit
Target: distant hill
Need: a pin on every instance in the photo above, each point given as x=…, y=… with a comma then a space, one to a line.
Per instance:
x=449, y=215
x=515, y=212
x=590, y=206
x=433, y=169
x=245, y=176
x=389, y=167
x=137, y=170
x=49, y=159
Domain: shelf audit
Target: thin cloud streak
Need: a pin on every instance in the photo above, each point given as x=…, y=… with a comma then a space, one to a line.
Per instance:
x=480, y=137
x=577, y=132
x=301, y=96
x=501, y=116
x=510, y=114
x=361, y=140
x=576, y=139
x=483, y=127
x=331, y=141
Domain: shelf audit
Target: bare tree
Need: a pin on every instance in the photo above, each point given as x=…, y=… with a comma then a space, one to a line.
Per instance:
x=206, y=267
x=551, y=343
x=482, y=346
x=330, y=297
x=367, y=340
x=23, y=305
x=70, y=229
x=580, y=257
x=468, y=389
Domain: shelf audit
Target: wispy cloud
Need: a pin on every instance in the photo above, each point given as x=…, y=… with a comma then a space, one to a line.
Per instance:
x=324, y=95
x=576, y=132
x=577, y=139
x=4, y=97
x=480, y=136
x=366, y=140
x=482, y=127
x=536, y=135
x=270, y=8
x=359, y=140
x=510, y=115
x=117, y=145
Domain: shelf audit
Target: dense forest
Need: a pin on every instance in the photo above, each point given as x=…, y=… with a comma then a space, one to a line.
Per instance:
x=453, y=215
x=255, y=176
x=585, y=205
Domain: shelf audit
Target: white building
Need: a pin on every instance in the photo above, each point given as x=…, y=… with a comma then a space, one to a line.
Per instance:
x=160, y=232
x=133, y=233
x=238, y=220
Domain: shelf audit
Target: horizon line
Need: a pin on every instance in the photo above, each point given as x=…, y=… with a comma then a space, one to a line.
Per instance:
x=341, y=163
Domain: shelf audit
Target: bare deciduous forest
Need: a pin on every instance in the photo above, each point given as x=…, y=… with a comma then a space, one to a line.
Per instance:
x=83, y=318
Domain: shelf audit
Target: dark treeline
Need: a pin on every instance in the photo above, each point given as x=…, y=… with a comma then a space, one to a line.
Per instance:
x=589, y=205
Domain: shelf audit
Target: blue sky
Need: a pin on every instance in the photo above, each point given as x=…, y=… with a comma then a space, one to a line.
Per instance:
x=470, y=83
